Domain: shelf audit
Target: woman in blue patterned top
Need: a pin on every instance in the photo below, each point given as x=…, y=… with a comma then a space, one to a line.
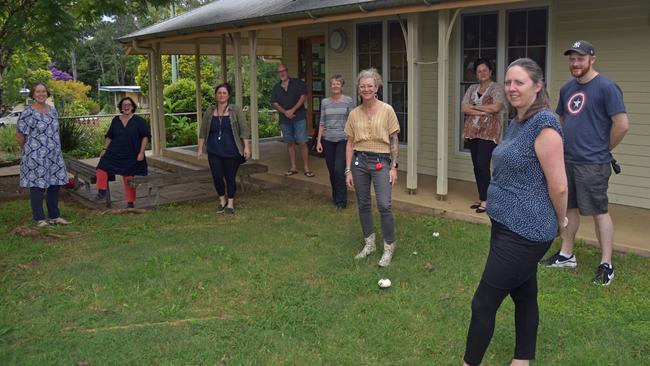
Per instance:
x=527, y=207
x=42, y=168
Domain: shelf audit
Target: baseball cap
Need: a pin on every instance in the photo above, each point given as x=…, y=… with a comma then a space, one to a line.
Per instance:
x=582, y=47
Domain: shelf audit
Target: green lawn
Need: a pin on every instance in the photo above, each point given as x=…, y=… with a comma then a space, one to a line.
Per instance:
x=277, y=285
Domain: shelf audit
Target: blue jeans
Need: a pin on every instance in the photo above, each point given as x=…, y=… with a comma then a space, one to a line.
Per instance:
x=364, y=173
x=51, y=201
x=335, y=159
x=294, y=132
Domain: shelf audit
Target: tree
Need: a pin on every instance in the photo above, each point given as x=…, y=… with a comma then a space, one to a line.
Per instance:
x=55, y=24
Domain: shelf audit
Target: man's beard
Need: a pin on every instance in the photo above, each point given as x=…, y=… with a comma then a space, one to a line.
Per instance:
x=579, y=72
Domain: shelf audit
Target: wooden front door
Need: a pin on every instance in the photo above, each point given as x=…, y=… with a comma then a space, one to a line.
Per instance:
x=311, y=70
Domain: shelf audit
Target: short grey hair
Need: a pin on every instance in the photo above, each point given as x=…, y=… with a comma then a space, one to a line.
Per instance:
x=371, y=73
x=339, y=78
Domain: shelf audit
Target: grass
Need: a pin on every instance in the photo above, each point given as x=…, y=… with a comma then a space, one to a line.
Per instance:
x=277, y=285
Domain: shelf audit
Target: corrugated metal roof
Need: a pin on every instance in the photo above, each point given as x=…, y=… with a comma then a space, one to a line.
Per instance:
x=228, y=13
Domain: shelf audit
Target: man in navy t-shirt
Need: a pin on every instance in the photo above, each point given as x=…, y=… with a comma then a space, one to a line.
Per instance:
x=594, y=121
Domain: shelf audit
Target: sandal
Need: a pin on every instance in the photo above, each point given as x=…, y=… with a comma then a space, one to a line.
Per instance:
x=309, y=174
x=480, y=209
x=475, y=205
x=290, y=173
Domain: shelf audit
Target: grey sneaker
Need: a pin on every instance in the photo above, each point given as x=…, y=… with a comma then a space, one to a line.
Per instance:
x=59, y=221
x=229, y=211
x=387, y=257
x=42, y=223
x=369, y=248
x=220, y=208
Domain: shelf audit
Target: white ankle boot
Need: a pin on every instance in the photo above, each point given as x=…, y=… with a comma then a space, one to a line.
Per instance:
x=369, y=248
x=389, y=249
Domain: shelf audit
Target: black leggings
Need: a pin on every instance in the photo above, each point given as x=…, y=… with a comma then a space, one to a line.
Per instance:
x=224, y=168
x=481, y=151
x=485, y=304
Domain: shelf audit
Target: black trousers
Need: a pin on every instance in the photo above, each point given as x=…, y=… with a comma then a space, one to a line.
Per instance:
x=224, y=169
x=51, y=201
x=511, y=269
x=334, y=153
x=481, y=151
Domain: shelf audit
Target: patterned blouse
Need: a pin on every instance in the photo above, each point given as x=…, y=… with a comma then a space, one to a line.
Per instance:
x=518, y=193
x=42, y=163
x=484, y=127
x=372, y=134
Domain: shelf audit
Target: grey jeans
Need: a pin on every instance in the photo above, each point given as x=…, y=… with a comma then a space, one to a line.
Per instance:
x=364, y=173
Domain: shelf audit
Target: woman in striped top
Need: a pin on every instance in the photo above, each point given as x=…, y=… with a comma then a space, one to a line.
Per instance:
x=332, y=138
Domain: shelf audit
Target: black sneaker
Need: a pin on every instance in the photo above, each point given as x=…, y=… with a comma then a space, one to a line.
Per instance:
x=557, y=260
x=220, y=208
x=130, y=205
x=604, y=274
x=229, y=211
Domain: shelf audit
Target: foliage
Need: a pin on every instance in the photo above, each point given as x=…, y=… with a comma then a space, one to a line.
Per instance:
x=92, y=142
x=71, y=96
x=183, y=94
x=209, y=70
x=26, y=68
x=268, y=123
x=25, y=24
x=8, y=143
x=59, y=74
x=180, y=130
x=72, y=134
x=276, y=284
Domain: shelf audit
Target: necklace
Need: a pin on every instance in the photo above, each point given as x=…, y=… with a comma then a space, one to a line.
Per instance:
x=220, y=118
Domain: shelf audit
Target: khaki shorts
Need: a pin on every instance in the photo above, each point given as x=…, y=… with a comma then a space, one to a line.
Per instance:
x=588, y=185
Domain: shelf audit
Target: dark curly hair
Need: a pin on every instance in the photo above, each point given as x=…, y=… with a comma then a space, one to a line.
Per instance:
x=119, y=104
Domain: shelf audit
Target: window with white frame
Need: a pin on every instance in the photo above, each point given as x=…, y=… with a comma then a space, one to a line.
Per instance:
x=382, y=45
x=525, y=35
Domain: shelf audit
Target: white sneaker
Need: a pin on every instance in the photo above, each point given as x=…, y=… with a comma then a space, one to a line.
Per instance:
x=369, y=248
x=42, y=223
x=387, y=257
x=59, y=221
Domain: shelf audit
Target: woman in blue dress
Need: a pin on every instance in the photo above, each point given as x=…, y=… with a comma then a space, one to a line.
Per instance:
x=123, y=153
x=42, y=168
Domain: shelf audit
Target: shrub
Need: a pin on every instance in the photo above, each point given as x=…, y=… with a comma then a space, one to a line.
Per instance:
x=183, y=94
x=8, y=143
x=75, y=108
x=72, y=134
x=91, y=144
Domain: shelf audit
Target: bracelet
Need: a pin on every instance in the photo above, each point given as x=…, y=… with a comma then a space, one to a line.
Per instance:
x=347, y=172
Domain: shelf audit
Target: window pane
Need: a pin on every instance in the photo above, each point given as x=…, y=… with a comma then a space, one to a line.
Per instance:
x=398, y=96
x=517, y=28
x=537, y=25
x=538, y=54
x=489, y=30
x=515, y=53
x=491, y=55
x=363, y=37
x=468, y=65
x=471, y=31
x=364, y=63
x=397, y=67
x=396, y=37
x=375, y=38
x=376, y=61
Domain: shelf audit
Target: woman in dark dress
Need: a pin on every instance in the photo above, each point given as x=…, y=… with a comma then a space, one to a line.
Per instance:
x=123, y=153
x=225, y=134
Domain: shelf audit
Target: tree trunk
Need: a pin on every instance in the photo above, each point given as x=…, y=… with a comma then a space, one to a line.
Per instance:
x=73, y=63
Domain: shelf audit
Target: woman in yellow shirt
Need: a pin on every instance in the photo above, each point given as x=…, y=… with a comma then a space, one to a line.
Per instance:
x=371, y=158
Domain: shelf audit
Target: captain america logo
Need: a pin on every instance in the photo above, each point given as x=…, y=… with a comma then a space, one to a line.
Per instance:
x=576, y=102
